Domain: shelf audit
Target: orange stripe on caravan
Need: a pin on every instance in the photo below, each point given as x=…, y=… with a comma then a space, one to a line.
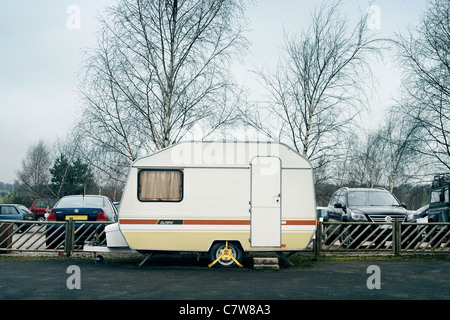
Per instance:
x=218, y=222
x=300, y=222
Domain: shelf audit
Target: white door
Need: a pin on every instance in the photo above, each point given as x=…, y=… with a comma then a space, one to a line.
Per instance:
x=265, y=202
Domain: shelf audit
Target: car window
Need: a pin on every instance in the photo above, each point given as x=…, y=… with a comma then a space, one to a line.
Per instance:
x=111, y=209
x=70, y=202
x=24, y=209
x=342, y=198
x=371, y=198
x=93, y=202
x=45, y=203
x=80, y=202
x=435, y=196
x=8, y=210
x=334, y=198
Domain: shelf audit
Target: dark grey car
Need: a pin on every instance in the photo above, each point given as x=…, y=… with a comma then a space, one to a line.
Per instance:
x=363, y=205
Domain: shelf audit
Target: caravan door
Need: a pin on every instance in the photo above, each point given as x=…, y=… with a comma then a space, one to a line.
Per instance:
x=265, y=201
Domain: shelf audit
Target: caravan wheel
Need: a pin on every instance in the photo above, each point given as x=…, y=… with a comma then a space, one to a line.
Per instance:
x=216, y=251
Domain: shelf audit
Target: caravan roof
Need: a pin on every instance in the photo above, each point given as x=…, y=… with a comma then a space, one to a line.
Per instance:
x=221, y=154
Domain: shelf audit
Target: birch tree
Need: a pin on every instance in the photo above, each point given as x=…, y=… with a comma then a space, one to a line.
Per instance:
x=159, y=68
x=319, y=86
x=425, y=56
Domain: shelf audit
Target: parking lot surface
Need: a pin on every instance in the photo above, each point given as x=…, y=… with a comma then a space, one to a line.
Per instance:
x=67, y=278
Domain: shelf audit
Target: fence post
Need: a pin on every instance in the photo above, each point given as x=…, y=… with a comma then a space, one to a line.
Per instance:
x=69, y=238
x=318, y=239
x=6, y=230
x=396, y=238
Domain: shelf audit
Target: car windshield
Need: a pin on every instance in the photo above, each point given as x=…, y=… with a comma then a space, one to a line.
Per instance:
x=371, y=198
x=80, y=202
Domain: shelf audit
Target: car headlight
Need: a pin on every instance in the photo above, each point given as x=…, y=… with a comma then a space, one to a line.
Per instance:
x=358, y=216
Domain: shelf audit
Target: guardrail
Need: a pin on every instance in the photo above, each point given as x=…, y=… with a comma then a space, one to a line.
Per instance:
x=56, y=236
x=392, y=238
x=395, y=237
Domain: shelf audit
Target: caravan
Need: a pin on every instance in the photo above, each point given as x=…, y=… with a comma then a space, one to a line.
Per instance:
x=222, y=198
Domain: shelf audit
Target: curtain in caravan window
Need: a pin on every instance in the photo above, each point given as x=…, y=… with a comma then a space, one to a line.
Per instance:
x=160, y=185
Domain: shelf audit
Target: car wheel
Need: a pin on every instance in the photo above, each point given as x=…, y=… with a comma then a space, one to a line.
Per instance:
x=349, y=242
x=424, y=237
x=216, y=251
x=24, y=228
x=435, y=239
x=331, y=238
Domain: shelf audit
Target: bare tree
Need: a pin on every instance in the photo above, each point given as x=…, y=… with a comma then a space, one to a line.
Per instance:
x=34, y=174
x=160, y=67
x=368, y=161
x=425, y=57
x=386, y=156
x=402, y=163
x=319, y=87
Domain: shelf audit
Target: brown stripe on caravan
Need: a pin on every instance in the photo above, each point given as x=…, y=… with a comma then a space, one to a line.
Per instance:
x=299, y=222
x=218, y=222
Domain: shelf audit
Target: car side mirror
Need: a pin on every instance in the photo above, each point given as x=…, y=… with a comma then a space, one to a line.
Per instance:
x=404, y=205
x=339, y=205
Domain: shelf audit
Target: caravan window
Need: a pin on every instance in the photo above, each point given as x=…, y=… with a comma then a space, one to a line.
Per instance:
x=160, y=185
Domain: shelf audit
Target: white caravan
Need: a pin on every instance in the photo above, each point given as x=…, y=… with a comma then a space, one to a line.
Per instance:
x=222, y=198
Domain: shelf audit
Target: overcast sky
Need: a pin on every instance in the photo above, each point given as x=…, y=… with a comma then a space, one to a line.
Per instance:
x=41, y=42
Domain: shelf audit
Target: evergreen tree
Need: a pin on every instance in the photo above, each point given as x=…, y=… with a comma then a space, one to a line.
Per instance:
x=71, y=177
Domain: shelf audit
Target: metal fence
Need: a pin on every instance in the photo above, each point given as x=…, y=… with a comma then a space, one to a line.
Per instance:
x=392, y=238
x=395, y=238
x=56, y=236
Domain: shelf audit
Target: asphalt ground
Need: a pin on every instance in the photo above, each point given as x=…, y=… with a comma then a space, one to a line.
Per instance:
x=177, y=282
